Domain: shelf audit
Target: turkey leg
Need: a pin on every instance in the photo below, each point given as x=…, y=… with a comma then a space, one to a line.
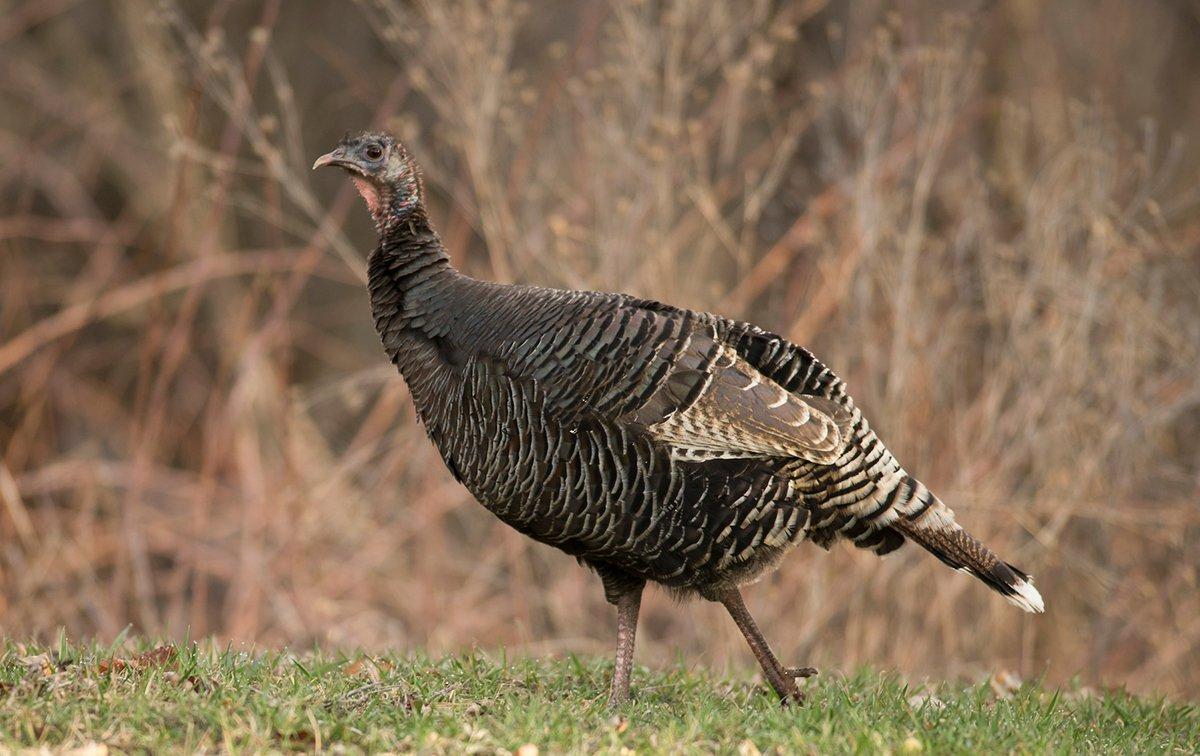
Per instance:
x=782, y=679
x=629, y=602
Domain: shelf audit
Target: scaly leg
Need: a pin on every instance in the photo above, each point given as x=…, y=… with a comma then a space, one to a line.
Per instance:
x=782, y=679
x=629, y=602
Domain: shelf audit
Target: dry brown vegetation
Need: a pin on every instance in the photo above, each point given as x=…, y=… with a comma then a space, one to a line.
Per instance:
x=987, y=222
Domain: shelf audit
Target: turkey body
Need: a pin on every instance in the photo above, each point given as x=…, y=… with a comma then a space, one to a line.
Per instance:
x=580, y=419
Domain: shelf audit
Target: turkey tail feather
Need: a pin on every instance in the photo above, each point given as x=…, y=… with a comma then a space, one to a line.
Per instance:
x=947, y=541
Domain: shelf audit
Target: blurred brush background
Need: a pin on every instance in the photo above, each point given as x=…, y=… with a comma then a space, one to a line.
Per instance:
x=985, y=216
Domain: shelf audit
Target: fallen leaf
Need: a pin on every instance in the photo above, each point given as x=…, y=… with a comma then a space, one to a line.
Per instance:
x=747, y=748
x=38, y=664
x=1004, y=684
x=369, y=667
x=111, y=665
x=154, y=658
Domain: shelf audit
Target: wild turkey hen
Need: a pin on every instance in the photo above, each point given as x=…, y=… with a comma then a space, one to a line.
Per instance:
x=652, y=443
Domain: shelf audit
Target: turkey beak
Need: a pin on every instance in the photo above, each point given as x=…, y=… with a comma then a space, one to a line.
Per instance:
x=337, y=157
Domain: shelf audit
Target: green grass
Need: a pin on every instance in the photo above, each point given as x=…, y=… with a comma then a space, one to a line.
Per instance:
x=205, y=698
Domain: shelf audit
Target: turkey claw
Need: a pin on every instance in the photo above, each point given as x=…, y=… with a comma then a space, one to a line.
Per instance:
x=800, y=672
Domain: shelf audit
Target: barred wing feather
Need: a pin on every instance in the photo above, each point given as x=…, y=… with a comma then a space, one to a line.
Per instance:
x=716, y=404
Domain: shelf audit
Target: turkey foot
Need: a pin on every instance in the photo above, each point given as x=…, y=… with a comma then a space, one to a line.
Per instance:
x=782, y=680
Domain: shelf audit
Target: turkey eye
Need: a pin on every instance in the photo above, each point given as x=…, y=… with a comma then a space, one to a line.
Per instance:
x=374, y=152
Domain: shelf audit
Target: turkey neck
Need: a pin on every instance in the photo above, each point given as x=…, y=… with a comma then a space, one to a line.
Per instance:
x=411, y=281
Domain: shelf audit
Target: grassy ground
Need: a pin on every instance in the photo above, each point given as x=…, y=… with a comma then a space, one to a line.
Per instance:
x=199, y=697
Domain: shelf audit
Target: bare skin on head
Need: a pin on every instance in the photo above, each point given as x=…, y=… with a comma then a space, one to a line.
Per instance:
x=370, y=193
x=382, y=171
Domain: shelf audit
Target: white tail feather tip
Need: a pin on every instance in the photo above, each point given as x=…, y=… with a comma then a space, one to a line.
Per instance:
x=1027, y=597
